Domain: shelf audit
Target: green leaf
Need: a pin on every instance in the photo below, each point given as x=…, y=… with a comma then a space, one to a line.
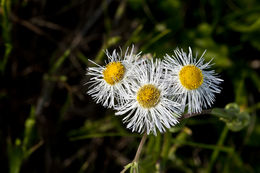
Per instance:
x=15, y=156
x=6, y=32
x=60, y=61
x=231, y=115
x=156, y=38
x=242, y=27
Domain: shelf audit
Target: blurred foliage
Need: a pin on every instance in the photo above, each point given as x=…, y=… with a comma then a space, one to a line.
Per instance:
x=231, y=115
x=6, y=29
x=23, y=148
x=48, y=123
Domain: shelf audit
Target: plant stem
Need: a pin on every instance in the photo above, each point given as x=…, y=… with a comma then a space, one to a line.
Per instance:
x=185, y=116
x=140, y=147
x=137, y=155
x=216, y=151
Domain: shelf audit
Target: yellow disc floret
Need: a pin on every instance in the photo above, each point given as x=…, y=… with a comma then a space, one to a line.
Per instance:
x=148, y=96
x=114, y=72
x=191, y=77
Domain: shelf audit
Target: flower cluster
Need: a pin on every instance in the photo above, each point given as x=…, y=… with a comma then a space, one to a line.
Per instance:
x=152, y=94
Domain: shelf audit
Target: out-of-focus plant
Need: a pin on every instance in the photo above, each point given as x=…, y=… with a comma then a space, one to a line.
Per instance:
x=21, y=149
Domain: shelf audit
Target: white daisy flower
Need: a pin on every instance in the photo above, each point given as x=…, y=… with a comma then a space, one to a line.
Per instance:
x=109, y=83
x=192, y=80
x=147, y=103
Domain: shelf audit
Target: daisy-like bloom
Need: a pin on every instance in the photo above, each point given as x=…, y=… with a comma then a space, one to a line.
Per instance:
x=147, y=104
x=109, y=83
x=192, y=80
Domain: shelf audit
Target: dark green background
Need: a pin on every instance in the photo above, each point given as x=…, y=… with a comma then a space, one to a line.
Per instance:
x=48, y=123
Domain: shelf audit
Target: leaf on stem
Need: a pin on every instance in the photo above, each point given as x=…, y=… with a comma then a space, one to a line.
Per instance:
x=234, y=118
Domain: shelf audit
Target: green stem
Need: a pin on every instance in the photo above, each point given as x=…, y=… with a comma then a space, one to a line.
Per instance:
x=137, y=155
x=216, y=151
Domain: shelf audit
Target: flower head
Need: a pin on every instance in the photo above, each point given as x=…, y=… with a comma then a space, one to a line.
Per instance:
x=147, y=104
x=113, y=73
x=192, y=80
x=109, y=83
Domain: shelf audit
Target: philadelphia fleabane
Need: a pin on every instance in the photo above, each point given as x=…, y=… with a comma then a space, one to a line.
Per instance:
x=192, y=80
x=108, y=83
x=147, y=106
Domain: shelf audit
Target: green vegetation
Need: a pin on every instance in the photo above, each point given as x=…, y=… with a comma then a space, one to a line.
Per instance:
x=49, y=124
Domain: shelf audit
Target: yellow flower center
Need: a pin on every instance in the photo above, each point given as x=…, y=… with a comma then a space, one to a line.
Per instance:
x=148, y=96
x=191, y=77
x=114, y=72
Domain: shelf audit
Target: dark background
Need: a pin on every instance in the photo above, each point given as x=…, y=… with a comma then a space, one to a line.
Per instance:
x=49, y=124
